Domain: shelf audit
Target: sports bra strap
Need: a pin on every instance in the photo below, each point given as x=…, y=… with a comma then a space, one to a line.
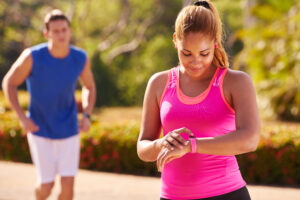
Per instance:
x=219, y=76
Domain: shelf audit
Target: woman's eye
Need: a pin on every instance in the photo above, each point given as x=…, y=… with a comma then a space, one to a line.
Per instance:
x=205, y=54
x=185, y=54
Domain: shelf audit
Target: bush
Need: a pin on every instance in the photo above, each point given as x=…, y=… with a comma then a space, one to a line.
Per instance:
x=277, y=159
x=112, y=148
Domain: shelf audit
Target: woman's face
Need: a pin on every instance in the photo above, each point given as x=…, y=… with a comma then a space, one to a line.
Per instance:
x=195, y=53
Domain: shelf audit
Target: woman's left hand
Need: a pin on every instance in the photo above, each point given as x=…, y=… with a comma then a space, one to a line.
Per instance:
x=166, y=155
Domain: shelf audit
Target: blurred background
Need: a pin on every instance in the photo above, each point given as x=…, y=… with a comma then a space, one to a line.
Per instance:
x=129, y=40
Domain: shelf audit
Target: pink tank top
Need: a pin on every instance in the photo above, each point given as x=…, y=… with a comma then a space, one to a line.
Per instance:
x=195, y=176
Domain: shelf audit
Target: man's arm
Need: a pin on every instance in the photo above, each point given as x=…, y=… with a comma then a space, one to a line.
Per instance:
x=88, y=95
x=19, y=71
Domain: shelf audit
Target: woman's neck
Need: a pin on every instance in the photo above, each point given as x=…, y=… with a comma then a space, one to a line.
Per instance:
x=205, y=76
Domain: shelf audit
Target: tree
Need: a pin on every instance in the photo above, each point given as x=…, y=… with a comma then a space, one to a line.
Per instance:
x=271, y=56
x=127, y=40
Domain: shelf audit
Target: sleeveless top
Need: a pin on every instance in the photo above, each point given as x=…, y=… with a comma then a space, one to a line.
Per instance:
x=51, y=86
x=195, y=176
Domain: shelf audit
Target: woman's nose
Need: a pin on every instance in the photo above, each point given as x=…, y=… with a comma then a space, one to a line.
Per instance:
x=196, y=60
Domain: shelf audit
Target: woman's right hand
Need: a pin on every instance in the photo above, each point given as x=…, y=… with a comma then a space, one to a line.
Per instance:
x=174, y=140
x=28, y=125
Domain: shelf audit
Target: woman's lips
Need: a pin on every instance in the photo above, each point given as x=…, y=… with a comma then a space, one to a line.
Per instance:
x=195, y=69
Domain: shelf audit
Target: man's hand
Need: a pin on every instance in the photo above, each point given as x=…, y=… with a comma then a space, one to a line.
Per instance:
x=84, y=124
x=28, y=125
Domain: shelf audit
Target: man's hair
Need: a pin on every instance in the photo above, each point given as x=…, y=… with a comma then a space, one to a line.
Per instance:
x=54, y=15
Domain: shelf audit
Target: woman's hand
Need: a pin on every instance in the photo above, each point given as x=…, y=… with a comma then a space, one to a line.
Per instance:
x=166, y=155
x=174, y=140
x=173, y=146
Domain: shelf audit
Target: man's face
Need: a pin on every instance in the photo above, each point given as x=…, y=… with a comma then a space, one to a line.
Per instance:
x=59, y=32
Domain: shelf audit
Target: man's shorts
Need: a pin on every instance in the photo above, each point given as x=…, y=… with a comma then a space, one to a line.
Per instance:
x=54, y=156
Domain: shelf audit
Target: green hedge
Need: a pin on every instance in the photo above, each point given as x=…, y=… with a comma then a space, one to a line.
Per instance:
x=109, y=148
x=112, y=148
x=277, y=159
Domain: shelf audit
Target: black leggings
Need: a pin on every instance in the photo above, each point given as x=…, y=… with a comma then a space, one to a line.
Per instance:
x=240, y=194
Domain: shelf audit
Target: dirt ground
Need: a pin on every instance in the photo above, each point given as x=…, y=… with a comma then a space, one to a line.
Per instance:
x=17, y=181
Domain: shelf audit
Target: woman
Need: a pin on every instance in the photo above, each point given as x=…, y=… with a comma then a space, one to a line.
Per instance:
x=208, y=114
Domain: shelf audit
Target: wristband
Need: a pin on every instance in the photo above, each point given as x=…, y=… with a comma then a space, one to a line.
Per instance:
x=193, y=144
x=86, y=115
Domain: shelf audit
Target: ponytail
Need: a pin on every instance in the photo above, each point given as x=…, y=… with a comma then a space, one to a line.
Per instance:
x=220, y=57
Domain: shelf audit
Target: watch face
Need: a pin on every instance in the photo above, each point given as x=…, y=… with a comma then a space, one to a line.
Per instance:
x=86, y=115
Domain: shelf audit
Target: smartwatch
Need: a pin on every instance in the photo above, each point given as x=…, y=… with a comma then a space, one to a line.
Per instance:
x=86, y=115
x=193, y=144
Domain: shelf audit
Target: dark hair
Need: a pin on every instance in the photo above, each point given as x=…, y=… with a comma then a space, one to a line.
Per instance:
x=202, y=3
x=202, y=17
x=54, y=15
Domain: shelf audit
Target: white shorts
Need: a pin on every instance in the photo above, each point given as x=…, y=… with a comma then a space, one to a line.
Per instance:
x=54, y=156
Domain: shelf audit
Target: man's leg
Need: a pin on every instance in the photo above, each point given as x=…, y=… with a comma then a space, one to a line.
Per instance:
x=43, y=190
x=67, y=188
x=67, y=164
x=41, y=150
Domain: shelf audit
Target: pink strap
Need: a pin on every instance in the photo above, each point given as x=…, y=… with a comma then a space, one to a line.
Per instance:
x=219, y=77
x=194, y=145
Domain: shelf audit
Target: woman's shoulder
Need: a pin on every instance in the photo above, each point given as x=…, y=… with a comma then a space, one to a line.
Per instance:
x=237, y=77
x=157, y=84
x=237, y=80
x=159, y=79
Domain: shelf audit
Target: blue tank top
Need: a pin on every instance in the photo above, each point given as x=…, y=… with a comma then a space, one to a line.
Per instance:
x=51, y=86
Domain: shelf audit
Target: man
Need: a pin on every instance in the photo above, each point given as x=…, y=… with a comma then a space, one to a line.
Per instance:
x=51, y=71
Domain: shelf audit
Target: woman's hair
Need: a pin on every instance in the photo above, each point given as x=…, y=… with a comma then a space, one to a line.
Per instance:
x=203, y=17
x=54, y=15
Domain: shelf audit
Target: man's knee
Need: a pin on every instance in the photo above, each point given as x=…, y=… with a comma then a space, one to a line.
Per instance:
x=67, y=184
x=44, y=190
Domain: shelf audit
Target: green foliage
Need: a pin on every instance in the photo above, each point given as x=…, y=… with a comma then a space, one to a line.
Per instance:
x=105, y=80
x=13, y=145
x=270, y=44
x=122, y=80
x=112, y=147
x=109, y=148
x=134, y=79
x=276, y=161
x=271, y=55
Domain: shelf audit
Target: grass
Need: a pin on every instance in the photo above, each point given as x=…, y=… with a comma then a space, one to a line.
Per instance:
x=118, y=115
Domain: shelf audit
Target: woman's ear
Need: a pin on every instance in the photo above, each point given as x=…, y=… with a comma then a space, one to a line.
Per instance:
x=216, y=44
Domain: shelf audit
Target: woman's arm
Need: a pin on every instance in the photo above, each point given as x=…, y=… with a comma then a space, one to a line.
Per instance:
x=239, y=88
x=149, y=144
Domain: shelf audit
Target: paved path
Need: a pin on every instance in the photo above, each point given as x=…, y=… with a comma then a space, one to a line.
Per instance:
x=17, y=181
